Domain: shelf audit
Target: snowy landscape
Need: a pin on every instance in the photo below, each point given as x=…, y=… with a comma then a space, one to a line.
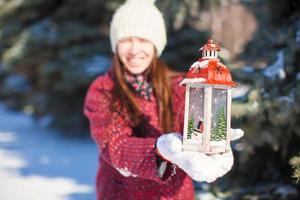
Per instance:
x=39, y=163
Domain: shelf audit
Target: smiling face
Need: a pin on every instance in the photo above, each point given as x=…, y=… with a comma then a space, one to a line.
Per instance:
x=135, y=53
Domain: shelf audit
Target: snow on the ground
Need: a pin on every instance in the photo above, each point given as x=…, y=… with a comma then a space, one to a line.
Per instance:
x=38, y=163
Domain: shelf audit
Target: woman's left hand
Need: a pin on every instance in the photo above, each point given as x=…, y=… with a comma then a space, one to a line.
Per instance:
x=199, y=166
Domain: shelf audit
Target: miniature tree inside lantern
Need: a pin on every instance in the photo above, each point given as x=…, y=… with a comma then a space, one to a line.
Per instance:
x=207, y=103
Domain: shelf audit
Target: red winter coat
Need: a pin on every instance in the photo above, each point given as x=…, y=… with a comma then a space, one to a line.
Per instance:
x=128, y=168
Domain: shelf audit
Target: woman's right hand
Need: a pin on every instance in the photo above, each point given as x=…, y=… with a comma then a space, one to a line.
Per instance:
x=199, y=166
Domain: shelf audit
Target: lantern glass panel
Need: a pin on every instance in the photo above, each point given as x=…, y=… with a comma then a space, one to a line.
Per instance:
x=219, y=115
x=196, y=113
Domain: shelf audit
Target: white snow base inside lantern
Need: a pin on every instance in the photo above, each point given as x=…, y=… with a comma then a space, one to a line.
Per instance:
x=197, y=136
x=197, y=145
x=218, y=143
x=192, y=145
x=217, y=147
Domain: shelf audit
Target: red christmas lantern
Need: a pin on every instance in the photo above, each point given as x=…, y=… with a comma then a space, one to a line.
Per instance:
x=207, y=103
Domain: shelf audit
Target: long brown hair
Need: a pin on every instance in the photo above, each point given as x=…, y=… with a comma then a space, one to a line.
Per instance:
x=124, y=96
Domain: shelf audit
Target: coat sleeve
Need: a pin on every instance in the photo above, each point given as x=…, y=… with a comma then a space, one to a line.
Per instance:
x=130, y=155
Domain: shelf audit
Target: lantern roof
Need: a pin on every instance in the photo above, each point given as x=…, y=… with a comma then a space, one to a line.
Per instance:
x=209, y=70
x=210, y=45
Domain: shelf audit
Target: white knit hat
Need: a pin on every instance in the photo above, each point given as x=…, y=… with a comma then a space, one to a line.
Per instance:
x=139, y=18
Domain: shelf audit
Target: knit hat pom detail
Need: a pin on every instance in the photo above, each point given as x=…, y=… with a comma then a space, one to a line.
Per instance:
x=140, y=1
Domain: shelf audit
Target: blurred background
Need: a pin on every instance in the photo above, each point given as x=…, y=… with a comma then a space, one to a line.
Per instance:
x=50, y=51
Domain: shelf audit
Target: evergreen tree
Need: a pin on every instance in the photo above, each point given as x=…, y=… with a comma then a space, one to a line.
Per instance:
x=190, y=127
x=295, y=163
x=213, y=134
x=222, y=125
x=220, y=132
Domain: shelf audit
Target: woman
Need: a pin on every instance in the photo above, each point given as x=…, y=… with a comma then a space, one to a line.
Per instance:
x=133, y=105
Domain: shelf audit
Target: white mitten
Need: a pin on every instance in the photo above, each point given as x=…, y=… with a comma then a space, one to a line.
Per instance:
x=199, y=166
x=236, y=134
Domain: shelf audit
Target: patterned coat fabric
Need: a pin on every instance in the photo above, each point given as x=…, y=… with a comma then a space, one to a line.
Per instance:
x=128, y=164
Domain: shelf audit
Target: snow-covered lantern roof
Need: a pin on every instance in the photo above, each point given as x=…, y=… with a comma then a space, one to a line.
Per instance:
x=207, y=103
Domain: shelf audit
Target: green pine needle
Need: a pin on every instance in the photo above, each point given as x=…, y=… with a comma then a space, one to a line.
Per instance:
x=295, y=163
